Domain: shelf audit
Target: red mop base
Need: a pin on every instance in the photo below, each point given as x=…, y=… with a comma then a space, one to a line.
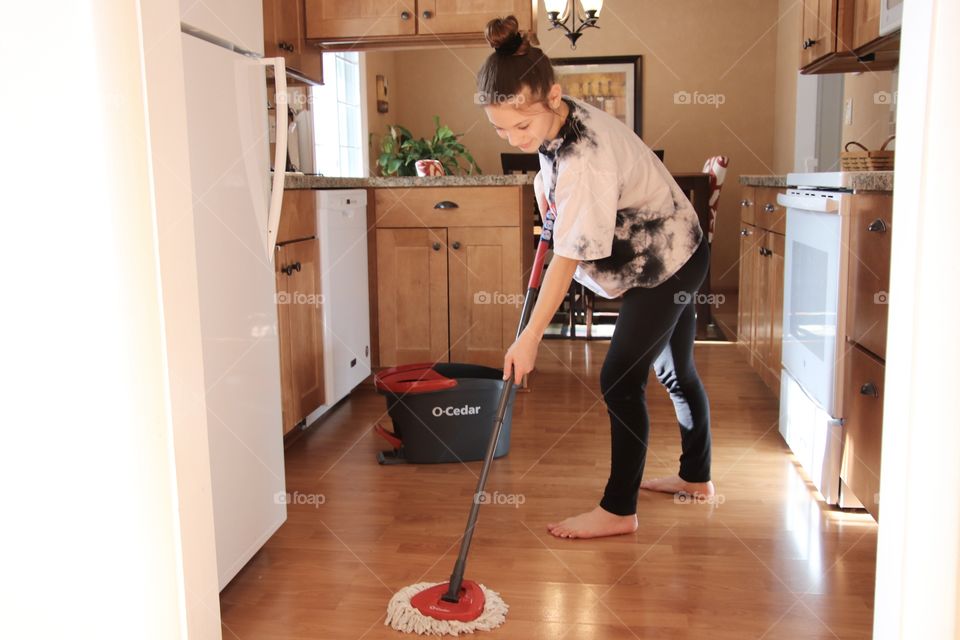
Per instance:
x=430, y=602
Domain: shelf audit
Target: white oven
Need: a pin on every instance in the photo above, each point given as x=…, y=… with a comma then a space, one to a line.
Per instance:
x=815, y=275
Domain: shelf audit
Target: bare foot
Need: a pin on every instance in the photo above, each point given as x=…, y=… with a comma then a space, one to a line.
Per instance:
x=593, y=524
x=676, y=484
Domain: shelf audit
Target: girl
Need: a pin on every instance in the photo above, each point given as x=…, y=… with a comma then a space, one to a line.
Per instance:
x=622, y=227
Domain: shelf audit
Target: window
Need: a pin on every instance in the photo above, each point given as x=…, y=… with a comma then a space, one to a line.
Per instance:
x=338, y=117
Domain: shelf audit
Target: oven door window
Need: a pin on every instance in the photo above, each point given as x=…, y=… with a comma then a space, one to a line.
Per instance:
x=812, y=321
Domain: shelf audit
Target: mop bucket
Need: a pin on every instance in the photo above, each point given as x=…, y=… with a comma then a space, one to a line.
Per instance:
x=442, y=412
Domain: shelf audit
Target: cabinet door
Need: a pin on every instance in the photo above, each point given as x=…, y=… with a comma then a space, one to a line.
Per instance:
x=746, y=300
x=284, y=35
x=863, y=428
x=819, y=29
x=298, y=217
x=776, y=248
x=868, y=277
x=486, y=293
x=301, y=330
x=468, y=16
x=352, y=19
x=762, y=307
x=810, y=31
x=866, y=21
x=412, y=295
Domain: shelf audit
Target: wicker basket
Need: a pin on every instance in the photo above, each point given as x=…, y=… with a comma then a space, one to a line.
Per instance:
x=867, y=160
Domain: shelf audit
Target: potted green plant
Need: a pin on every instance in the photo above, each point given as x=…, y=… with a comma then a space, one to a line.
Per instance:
x=399, y=151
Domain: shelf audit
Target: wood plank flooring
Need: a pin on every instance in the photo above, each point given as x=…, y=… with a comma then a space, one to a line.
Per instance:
x=769, y=561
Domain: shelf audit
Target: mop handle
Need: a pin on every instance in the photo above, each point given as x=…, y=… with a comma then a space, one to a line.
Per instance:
x=456, y=578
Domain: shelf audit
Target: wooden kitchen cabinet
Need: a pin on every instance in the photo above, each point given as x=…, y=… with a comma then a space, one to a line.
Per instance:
x=300, y=326
x=840, y=36
x=347, y=24
x=760, y=301
x=284, y=35
x=450, y=263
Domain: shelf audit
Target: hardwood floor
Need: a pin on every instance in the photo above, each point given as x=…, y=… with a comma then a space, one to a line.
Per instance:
x=767, y=560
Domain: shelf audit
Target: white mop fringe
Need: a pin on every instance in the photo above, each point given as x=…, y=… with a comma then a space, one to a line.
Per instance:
x=403, y=616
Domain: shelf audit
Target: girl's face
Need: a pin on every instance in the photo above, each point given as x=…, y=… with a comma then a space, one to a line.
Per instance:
x=526, y=124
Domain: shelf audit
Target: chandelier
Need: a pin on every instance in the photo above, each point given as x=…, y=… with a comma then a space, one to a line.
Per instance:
x=581, y=14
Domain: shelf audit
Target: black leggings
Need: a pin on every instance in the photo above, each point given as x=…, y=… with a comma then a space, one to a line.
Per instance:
x=656, y=327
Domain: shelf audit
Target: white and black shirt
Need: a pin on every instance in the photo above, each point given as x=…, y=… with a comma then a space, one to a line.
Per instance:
x=617, y=209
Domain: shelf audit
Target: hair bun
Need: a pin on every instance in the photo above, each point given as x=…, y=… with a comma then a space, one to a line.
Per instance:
x=504, y=36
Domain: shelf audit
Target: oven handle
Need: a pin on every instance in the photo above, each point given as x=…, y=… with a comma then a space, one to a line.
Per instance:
x=820, y=205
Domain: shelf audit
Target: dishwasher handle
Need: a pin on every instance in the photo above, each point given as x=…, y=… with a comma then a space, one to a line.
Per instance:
x=819, y=204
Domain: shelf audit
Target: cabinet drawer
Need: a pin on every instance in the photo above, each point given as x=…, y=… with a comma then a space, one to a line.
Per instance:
x=770, y=214
x=863, y=427
x=748, y=197
x=448, y=207
x=868, y=278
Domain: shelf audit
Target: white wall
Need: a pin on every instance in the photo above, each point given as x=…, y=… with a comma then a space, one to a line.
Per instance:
x=99, y=540
x=918, y=550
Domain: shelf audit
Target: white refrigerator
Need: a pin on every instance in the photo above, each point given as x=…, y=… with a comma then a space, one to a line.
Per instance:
x=236, y=212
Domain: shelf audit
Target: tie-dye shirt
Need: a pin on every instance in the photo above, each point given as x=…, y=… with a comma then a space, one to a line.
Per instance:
x=618, y=210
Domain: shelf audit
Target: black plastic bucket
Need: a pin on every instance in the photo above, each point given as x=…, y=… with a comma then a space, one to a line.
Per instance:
x=443, y=412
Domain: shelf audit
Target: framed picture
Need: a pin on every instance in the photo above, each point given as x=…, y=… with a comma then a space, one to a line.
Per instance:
x=611, y=83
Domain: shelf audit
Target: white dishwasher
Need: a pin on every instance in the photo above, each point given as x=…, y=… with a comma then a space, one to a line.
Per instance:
x=342, y=231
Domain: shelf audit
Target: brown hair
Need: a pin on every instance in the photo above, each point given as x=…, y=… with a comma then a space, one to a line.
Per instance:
x=513, y=65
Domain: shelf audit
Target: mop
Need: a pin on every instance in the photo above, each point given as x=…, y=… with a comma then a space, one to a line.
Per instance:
x=464, y=606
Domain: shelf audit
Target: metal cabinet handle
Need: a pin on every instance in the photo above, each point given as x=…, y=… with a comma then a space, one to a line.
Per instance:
x=746, y=203
x=878, y=226
x=455, y=245
x=744, y=232
x=404, y=15
x=809, y=42
x=765, y=252
x=290, y=268
x=436, y=246
x=446, y=204
x=769, y=208
x=869, y=389
x=427, y=15
x=285, y=46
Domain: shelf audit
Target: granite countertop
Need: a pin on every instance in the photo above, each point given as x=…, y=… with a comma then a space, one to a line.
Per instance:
x=764, y=181
x=302, y=181
x=860, y=180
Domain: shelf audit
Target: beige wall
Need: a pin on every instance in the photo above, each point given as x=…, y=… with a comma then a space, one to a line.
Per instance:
x=785, y=89
x=872, y=101
x=687, y=45
x=379, y=63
